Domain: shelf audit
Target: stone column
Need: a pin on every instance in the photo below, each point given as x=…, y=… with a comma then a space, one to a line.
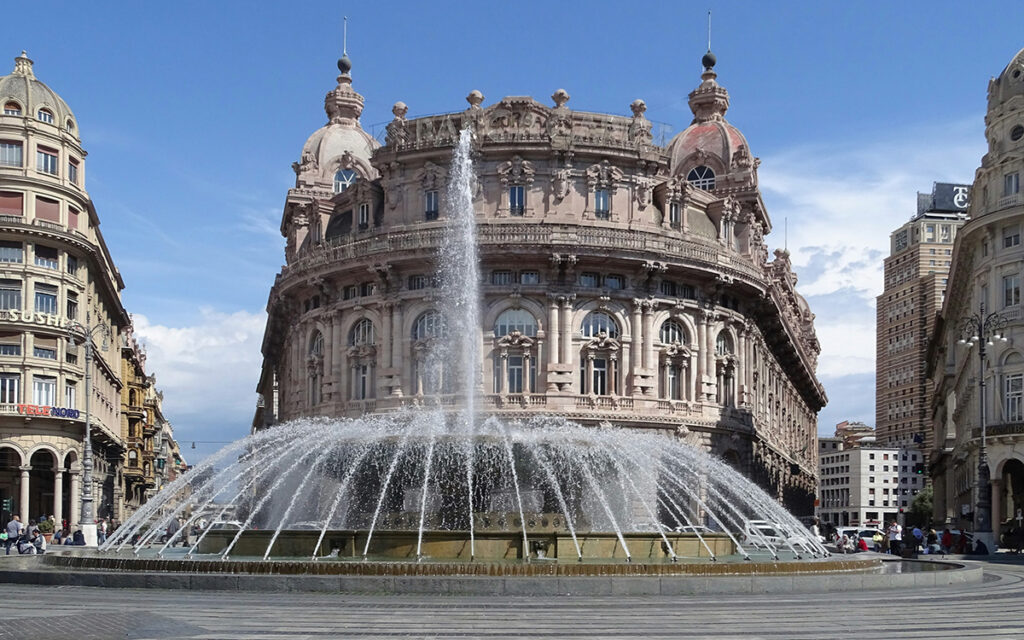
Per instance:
x=385, y=335
x=58, y=496
x=76, y=497
x=527, y=382
x=553, y=330
x=648, y=336
x=691, y=378
x=664, y=383
x=997, y=504
x=23, y=501
x=566, y=337
x=397, y=340
x=613, y=369
x=588, y=379
x=503, y=374
x=636, y=345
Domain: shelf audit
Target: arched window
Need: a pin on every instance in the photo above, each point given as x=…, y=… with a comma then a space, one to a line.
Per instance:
x=133, y=458
x=702, y=177
x=515, y=320
x=45, y=115
x=69, y=125
x=723, y=344
x=12, y=109
x=344, y=179
x=673, y=333
x=362, y=333
x=316, y=344
x=428, y=325
x=599, y=322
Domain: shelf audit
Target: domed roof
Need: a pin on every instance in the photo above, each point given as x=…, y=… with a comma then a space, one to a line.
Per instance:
x=342, y=141
x=1009, y=84
x=22, y=87
x=709, y=134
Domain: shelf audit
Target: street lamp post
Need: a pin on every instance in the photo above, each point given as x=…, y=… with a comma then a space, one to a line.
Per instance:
x=982, y=330
x=86, y=335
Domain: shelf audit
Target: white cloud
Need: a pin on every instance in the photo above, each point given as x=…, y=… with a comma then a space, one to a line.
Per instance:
x=835, y=208
x=207, y=370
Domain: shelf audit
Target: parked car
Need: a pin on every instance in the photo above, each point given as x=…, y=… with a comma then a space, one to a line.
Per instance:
x=226, y=524
x=759, y=534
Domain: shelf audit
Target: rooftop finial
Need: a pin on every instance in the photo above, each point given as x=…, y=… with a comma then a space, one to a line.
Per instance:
x=709, y=58
x=344, y=63
x=23, y=65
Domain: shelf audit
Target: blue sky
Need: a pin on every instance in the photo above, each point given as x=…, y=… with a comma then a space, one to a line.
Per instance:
x=192, y=113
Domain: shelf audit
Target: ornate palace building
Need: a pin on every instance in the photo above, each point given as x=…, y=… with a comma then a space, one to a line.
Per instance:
x=988, y=261
x=55, y=270
x=624, y=282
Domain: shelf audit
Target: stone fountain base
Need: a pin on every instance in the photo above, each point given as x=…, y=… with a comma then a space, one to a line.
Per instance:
x=455, y=545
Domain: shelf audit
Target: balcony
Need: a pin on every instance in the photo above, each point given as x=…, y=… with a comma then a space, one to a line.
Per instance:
x=1011, y=200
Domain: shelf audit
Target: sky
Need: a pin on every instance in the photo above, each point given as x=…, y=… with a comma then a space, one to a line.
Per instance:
x=192, y=113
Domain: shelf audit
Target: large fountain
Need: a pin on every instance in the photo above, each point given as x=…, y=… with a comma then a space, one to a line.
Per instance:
x=438, y=483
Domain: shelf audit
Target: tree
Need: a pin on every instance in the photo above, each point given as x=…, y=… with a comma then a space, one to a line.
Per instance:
x=921, y=508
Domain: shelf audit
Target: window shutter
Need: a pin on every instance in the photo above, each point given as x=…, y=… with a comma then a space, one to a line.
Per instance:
x=47, y=209
x=11, y=203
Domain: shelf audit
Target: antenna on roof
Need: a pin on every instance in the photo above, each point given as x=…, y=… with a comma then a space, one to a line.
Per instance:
x=344, y=36
x=709, y=29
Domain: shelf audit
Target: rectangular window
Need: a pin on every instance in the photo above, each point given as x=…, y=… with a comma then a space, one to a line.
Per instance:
x=668, y=288
x=46, y=160
x=10, y=153
x=614, y=282
x=10, y=384
x=674, y=219
x=11, y=203
x=71, y=354
x=516, y=200
x=687, y=291
x=46, y=257
x=432, y=210
x=10, y=344
x=71, y=307
x=602, y=206
x=73, y=171
x=69, y=394
x=45, y=347
x=529, y=277
x=46, y=299
x=1011, y=290
x=1011, y=184
x=515, y=374
x=367, y=289
x=418, y=282
x=44, y=390
x=72, y=265
x=364, y=216
x=47, y=209
x=72, y=218
x=349, y=292
x=501, y=277
x=11, y=251
x=1014, y=398
x=589, y=279
x=1011, y=236
x=10, y=294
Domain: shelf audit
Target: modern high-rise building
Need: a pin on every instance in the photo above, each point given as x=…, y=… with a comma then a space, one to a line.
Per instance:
x=915, y=282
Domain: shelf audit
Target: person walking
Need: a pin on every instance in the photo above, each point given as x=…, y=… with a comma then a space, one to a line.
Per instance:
x=946, y=541
x=13, y=533
x=877, y=539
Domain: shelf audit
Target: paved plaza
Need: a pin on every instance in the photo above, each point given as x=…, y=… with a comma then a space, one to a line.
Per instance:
x=990, y=610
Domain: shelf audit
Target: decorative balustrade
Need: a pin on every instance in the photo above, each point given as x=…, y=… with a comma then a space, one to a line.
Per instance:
x=339, y=250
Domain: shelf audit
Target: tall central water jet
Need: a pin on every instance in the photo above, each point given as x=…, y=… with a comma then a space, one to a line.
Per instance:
x=459, y=272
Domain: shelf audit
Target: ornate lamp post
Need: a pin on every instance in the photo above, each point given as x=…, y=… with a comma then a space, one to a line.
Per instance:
x=83, y=334
x=982, y=330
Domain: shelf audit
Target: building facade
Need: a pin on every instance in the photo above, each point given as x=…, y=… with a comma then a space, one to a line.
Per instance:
x=988, y=261
x=916, y=274
x=867, y=484
x=624, y=282
x=56, y=276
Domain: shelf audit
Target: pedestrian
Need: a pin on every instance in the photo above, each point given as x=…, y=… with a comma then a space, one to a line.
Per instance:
x=843, y=543
x=932, y=542
x=946, y=541
x=862, y=544
x=877, y=539
x=172, y=528
x=895, y=536
x=917, y=538
x=101, y=531
x=13, y=533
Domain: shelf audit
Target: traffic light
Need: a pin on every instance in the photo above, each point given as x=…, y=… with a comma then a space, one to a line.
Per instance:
x=919, y=468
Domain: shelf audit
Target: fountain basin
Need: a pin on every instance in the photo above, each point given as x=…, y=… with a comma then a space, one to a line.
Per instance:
x=455, y=545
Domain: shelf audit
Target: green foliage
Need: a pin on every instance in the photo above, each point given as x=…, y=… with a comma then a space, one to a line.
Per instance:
x=45, y=527
x=920, y=512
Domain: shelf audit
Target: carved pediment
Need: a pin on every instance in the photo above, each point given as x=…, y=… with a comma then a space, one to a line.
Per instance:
x=602, y=341
x=516, y=339
x=432, y=176
x=516, y=171
x=603, y=175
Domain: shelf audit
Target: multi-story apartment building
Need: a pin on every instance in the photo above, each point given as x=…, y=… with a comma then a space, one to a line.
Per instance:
x=867, y=484
x=625, y=282
x=916, y=273
x=988, y=264
x=57, y=282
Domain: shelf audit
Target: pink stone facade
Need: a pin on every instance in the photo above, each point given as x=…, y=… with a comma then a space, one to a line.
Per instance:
x=624, y=282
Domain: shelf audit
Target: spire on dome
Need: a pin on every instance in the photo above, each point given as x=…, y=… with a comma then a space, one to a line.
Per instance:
x=344, y=105
x=23, y=66
x=709, y=101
